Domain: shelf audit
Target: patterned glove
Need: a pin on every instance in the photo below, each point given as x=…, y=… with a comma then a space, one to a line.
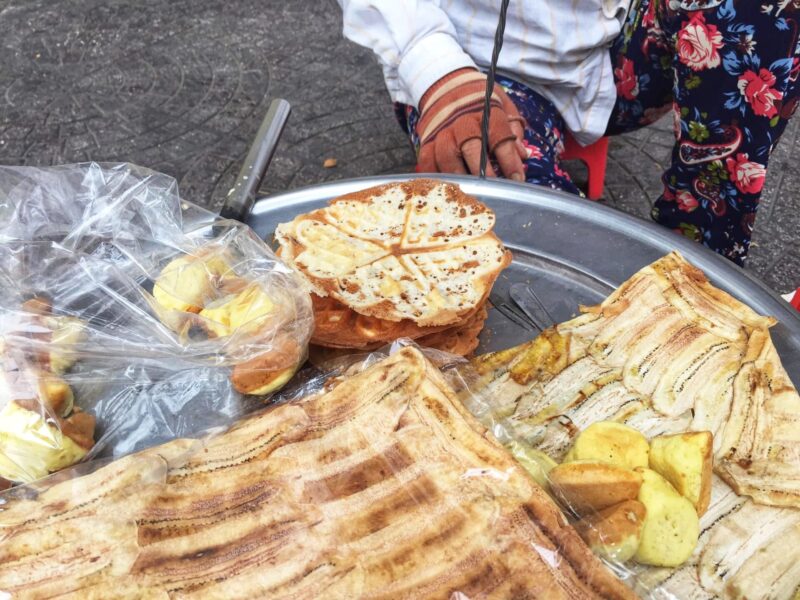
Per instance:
x=450, y=127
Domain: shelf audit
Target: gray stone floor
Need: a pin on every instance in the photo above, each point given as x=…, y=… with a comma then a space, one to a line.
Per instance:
x=180, y=86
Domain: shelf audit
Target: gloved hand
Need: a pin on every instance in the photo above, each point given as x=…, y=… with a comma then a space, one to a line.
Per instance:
x=449, y=128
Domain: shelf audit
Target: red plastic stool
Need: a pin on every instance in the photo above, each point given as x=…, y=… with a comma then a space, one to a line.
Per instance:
x=594, y=157
x=795, y=301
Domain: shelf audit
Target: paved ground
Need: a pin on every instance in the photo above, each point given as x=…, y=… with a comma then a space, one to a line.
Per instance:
x=180, y=86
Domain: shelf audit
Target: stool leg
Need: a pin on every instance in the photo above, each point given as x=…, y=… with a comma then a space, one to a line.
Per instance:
x=596, y=165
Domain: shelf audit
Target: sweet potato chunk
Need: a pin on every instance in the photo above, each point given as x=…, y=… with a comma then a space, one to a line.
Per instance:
x=611, y=442
x=671, y=526
x=685, y=460
x=588, y=486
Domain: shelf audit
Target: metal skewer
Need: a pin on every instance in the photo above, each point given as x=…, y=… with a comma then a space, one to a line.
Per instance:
x=498, y=44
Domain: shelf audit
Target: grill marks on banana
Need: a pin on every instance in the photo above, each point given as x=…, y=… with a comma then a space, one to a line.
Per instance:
x=192, y=571
x=648, y=342
x=255, y=547
x=358, y=478
x=63, y=509
x=219, y=464
x=392, y=509
x=169, y=522
x=420, y=494
x=688, y=357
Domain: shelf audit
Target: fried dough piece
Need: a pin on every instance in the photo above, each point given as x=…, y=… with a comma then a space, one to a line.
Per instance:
x=270, y=371
x=671, y=526
x=611, y=442
x=684, y=459
x=614, y=532
x=586, y=486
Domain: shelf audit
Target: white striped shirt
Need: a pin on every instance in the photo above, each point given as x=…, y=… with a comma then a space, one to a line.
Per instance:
x=557, y=47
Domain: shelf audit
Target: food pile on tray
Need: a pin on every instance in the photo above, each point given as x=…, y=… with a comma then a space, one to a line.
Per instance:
x=414, y=261
x=129, y=318
x=41, y=427
x=648, y=447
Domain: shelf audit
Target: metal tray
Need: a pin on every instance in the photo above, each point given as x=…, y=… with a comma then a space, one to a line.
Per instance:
x=572, y=252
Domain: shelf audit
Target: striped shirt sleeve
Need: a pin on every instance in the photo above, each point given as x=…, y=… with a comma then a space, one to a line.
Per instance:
x=414, y=40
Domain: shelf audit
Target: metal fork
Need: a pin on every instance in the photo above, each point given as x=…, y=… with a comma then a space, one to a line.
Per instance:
x=512, y=313
x=534, y=309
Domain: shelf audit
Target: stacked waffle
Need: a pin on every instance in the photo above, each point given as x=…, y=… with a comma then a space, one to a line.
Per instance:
x=409, y=260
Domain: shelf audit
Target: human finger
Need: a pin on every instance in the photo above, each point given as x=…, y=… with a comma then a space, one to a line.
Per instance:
x=471, y=151
x=509, y=160
x=516, y=122
x=426, y=161
x=448, y=155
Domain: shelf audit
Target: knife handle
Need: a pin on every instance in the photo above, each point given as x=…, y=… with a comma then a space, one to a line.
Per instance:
x=242, y=196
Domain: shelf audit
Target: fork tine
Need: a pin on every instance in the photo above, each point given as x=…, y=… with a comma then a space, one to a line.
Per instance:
x=512, y=313
x=551, y=320
x=536, y=314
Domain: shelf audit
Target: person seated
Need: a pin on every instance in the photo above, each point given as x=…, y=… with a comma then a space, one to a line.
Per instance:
x=726, y=70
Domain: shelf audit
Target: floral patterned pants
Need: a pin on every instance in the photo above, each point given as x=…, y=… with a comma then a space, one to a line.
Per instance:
x=727, y=69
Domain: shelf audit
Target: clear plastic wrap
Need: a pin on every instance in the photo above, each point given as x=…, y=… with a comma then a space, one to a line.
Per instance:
x=640, y=487
x=597, y=526
x=369, y=480
x=364, y=479
x=607, y=498
x=130, y=317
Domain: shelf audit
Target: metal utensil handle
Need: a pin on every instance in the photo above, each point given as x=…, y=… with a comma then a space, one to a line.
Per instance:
x=240, y=199
x=498, y=44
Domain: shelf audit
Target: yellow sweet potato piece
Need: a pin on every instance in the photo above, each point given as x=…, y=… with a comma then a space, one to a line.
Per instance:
x=56, y=394
x=587, y=486
x=611, y=442
x=614, y=532
x=187, y=283
x=685, y=460
x=246, y=310
x=68, y=333
x=671, y=526
x=537, y=463
x=269, y=371
x=33, y=446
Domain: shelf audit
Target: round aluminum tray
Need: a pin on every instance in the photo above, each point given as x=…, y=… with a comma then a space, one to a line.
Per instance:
x=572, y=252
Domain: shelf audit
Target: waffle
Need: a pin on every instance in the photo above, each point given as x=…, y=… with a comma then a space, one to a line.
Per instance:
x=460, y=340
x=420, y=251
x=337, y=326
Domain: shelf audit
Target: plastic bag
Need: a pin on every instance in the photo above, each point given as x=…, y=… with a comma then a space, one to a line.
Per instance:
x=626, y=483
x=373, y=482
x=612, y=528
x=124, y=306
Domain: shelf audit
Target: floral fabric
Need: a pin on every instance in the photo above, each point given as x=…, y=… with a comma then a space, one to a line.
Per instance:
x=727, y=70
